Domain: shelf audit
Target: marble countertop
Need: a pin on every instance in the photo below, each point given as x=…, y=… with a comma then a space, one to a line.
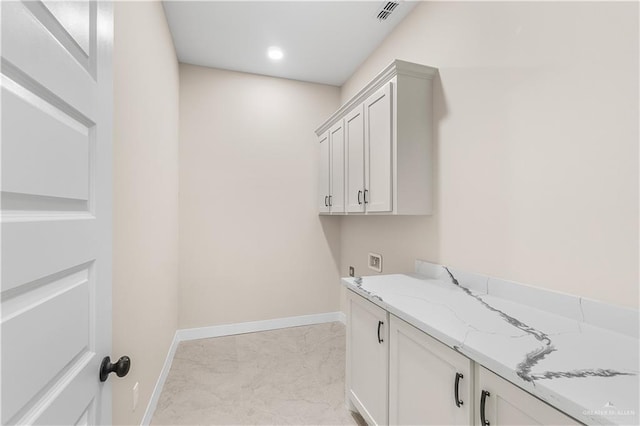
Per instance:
x=589, y=373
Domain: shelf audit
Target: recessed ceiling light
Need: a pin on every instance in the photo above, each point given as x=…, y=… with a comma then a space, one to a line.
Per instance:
x=275, y=53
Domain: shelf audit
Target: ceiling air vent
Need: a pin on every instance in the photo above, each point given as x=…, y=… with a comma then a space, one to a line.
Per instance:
x=387, y=8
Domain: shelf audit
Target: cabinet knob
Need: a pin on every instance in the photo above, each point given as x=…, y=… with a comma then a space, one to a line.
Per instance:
x=366, y=201
x=483, y=402
x=359, y=195
x=380, y=324
x=330, y=203
x=456, y=394
x=326, y=202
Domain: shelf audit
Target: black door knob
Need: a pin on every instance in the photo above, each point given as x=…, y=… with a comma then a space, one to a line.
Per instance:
x=121, y=368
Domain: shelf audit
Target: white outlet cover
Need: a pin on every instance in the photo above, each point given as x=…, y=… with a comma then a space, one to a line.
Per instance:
x=375, y=262
x=135, y=396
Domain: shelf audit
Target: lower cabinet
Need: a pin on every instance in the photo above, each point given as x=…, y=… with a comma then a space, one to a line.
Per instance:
x=429, y=383
x=399, y=375
x=367, y=359
x=499, y=402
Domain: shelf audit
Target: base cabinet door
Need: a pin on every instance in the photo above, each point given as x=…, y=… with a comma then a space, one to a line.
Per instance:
x=367, y=359
x=499, y=402
x=429, y=383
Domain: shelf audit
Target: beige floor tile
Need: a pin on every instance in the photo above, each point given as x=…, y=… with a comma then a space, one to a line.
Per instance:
x=292, y=376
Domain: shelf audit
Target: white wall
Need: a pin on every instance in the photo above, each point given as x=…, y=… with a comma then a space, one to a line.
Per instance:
x=536, y=146
x=252, y=246
x=145, y=247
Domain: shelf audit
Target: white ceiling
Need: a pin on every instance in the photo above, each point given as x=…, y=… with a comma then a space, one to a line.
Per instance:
x=323, y=41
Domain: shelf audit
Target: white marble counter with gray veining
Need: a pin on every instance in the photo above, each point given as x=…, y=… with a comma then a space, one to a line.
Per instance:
x=579, y=356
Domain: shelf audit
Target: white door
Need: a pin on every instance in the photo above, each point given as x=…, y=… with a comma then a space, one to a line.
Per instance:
x=367, y=359
x=378, y=117
x=56, y=211
x=507, y=404
x=354, y=140
x=324, y=174
x=336, y=189
x=429, y=383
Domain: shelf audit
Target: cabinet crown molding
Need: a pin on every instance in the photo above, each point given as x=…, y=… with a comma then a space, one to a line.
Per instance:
x=397, y=67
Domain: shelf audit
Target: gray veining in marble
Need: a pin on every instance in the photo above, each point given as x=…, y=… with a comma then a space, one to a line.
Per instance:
x=523, y=369
x=589, y=372
x=287, y=376
x=599, y=314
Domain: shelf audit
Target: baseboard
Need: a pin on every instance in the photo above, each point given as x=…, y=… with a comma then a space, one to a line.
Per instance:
x=229, y=330
x=164, y=373
x=254, y=326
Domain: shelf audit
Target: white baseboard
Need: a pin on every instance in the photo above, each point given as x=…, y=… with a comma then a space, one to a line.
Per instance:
x=253, y=326
x=229, y=330
x=153, y=401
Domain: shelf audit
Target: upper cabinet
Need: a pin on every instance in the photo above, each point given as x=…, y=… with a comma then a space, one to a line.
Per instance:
x=331, y=188
x=324, y=174
x=382, y=154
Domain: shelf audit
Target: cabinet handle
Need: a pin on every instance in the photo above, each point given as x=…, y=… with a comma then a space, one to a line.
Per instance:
x=456, y=395
x=380, y=323
x=359, y=195
x=483, y=401
x=366, y=191
x=326, y=203
x=330, y=203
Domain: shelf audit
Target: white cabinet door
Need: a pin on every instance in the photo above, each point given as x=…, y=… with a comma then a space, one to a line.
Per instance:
x=324, y=174
x=367, y=358
x=507, y=404
x=336, y=185
x=354, y=139
x=378, y=146
x=423, y=374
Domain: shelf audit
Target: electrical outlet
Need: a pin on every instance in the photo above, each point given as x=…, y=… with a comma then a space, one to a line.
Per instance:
x=135, y=396
x=352, y=271
x=375, y=262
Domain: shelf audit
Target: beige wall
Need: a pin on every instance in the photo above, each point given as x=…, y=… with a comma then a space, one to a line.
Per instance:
x=252, y=246
x=145, y=249
x=536, y=146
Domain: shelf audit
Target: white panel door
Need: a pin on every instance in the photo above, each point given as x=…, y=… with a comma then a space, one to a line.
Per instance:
x=336, y=187
x=367, y=359
x=506, y=404
x=429, y=383
x=324, y=174
x=56, y=83
x=378, y=148
x=354, y=140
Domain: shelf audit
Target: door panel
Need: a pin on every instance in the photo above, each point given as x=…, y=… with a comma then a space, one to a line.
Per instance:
x=33, y=249
x=367, y=359
x=57, y=105
x=324, y=174
x=75, y=19
x=507, y=404
x=65, y=336
x=29, y=41
x=36, y=136
x=422, y=376
x=336, y=190
x=378, y=117
x=354, y=140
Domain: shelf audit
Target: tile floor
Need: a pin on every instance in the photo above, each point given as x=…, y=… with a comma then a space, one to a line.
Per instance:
x=288, y=376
